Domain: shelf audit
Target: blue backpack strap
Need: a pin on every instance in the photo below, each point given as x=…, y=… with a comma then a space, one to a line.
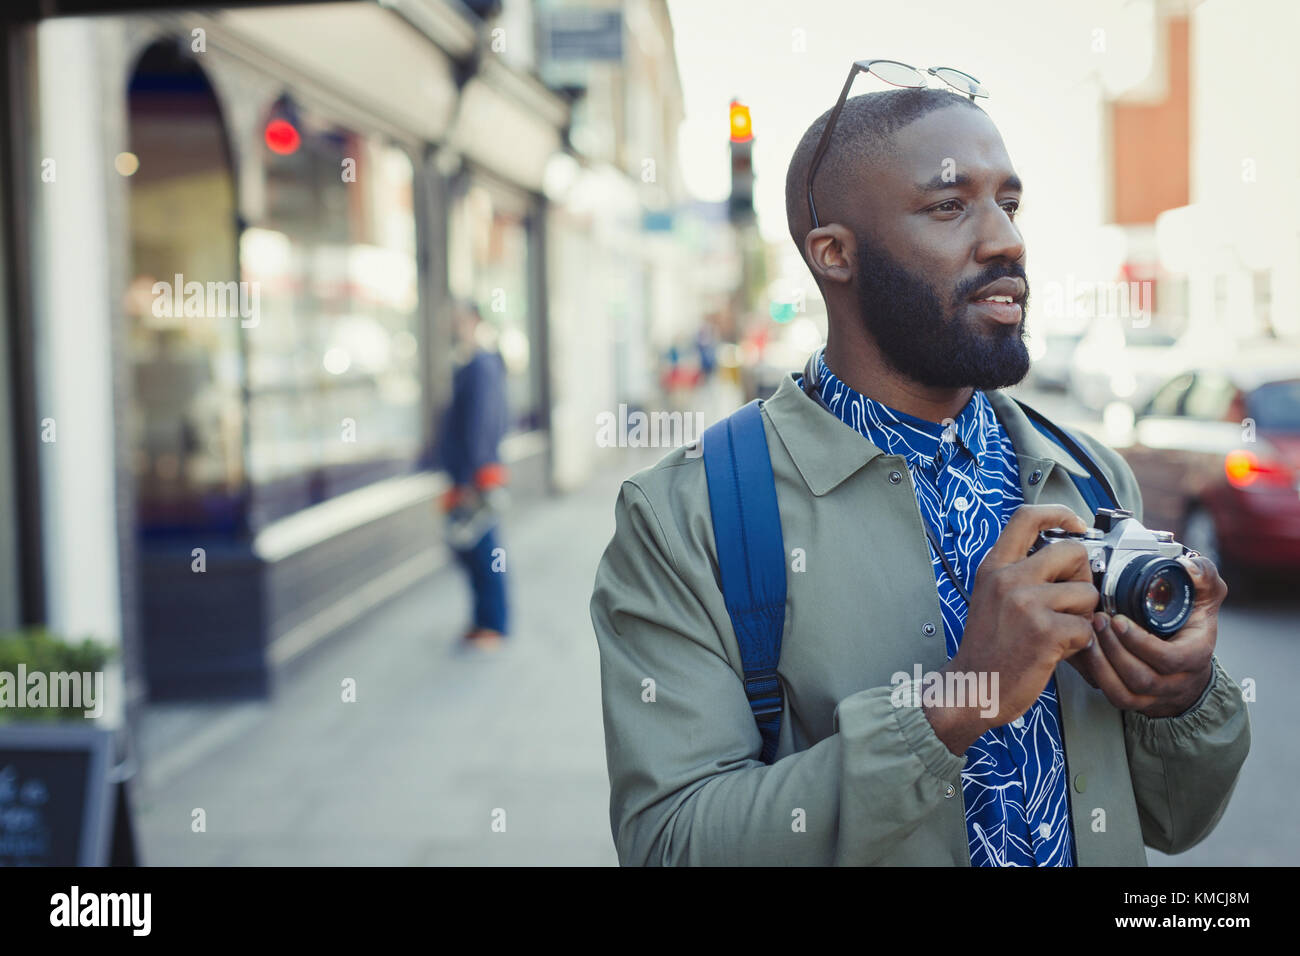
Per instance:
x=751, y=557
x=1095, y=489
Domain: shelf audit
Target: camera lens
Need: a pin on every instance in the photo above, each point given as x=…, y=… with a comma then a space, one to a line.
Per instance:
x=1159, y=594
x=1155, y=592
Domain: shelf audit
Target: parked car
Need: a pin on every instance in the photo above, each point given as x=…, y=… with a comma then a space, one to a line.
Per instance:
x=1216, y=451
x=1115, y=362
x=1050, y=369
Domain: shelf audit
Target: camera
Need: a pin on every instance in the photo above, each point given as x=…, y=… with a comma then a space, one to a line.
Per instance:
x=1134, y=569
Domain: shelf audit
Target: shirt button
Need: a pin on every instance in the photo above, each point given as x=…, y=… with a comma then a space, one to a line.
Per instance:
x=895, y=477
x=1080, y=782
x=1018, y=723
x=961, y=504
x=928, y=628
x=949, y=791
x=1035, y=477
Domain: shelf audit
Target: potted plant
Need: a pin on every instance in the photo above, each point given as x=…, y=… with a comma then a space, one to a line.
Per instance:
x=38, y=672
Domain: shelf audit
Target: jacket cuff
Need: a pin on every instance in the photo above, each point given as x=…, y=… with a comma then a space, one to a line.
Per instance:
x=1214, y=680
x=1217, y=703
x=898, y=712
x=925, y=743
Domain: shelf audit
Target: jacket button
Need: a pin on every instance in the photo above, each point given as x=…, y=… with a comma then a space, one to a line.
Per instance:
x=928, y=628
x=1036, y=476
x=1080, y=782
x=895, y=477
x=949, y=791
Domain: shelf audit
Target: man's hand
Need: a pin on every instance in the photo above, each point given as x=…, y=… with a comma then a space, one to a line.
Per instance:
x=1158, y=678
x=1026, y=615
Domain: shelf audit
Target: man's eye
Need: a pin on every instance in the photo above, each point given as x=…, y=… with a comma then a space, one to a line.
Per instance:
x=1012, y=206
x=948, y=205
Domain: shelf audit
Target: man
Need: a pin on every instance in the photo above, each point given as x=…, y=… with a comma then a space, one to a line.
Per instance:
x=1100, y=740
x=471, y=433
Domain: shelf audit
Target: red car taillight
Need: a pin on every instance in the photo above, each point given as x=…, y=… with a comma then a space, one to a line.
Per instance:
x=1245, y=469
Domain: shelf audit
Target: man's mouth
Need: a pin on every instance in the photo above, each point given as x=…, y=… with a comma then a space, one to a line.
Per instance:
x=1001, y=301
x=1006, y=289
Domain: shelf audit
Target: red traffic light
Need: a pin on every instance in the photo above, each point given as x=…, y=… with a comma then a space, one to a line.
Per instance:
x=742, y=131
x=281, y=137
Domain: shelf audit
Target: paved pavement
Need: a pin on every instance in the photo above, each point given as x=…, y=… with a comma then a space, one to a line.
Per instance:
x=1258, y=640
x=416, y=770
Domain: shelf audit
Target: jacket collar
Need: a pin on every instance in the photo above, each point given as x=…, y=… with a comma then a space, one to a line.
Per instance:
x=826, y=451
x=916, y=439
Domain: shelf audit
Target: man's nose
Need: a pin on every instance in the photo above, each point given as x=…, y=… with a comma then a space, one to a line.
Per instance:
x=998, y=237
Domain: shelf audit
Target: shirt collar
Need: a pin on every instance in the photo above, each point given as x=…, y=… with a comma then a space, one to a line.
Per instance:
x=816, y=446
x=917, y=439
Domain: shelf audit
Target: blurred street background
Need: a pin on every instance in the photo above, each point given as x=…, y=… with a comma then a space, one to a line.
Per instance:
x=233, y=243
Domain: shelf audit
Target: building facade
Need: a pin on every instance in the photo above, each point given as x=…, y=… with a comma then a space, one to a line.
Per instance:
x=244, y=231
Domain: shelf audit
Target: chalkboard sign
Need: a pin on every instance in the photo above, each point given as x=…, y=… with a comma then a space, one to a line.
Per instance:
x=56, y=802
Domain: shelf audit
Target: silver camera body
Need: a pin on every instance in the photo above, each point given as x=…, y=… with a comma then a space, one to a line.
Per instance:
x=1135, y=570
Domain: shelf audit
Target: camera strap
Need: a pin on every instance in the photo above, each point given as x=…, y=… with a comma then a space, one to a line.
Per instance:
x=1095, y=489
x=938, y=549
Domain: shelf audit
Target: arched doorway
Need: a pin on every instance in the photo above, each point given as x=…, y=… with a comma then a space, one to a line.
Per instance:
x=199, y=619
x=184, y=347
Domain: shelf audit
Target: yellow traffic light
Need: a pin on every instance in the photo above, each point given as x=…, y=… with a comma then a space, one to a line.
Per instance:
x=741, y=130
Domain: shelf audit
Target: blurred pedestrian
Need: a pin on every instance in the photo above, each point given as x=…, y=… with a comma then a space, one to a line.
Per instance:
x=468, y=448
x=707, y=344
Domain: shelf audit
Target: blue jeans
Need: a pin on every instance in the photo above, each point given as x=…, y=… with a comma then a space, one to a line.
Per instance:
x=489, y=586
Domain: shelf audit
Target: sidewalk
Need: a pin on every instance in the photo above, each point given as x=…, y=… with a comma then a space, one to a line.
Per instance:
x=436, y=744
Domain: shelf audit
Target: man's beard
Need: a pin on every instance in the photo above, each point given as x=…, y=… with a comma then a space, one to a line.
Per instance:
x=919, y=339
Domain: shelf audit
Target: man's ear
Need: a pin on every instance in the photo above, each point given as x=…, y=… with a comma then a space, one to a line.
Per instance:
x=832, y=252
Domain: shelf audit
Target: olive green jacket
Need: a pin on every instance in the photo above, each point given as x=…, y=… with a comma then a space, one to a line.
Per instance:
x=856, y=780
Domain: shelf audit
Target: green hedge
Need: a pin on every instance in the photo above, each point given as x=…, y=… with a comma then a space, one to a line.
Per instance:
x=39, y=650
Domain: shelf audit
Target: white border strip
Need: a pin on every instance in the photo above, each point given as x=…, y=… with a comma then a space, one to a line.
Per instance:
x=348, y=609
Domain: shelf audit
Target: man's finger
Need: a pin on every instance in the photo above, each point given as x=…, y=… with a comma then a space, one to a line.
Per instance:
x=1071, y=597
x=1108, y=681
x=1187, y=650
x=1072, y=630
x=1022, y=529
x=1138, y=676
x=1210, y=586
x=1063, y=560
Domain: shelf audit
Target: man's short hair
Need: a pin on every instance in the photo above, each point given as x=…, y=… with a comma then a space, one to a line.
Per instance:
x=863, y=132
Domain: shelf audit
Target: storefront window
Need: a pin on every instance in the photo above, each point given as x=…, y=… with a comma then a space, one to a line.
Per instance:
x=186, y=418
x=333, y=374
x=488, y=262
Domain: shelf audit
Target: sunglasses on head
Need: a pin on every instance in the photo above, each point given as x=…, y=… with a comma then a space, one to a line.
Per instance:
x=895, y=74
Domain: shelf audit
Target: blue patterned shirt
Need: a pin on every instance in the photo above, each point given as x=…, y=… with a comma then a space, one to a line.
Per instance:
x=967, y=483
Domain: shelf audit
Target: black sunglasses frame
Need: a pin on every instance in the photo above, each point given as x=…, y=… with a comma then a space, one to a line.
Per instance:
x=864, y=66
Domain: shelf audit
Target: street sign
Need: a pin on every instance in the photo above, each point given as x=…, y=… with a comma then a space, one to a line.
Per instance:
x=657, y=220
x=578, y=33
